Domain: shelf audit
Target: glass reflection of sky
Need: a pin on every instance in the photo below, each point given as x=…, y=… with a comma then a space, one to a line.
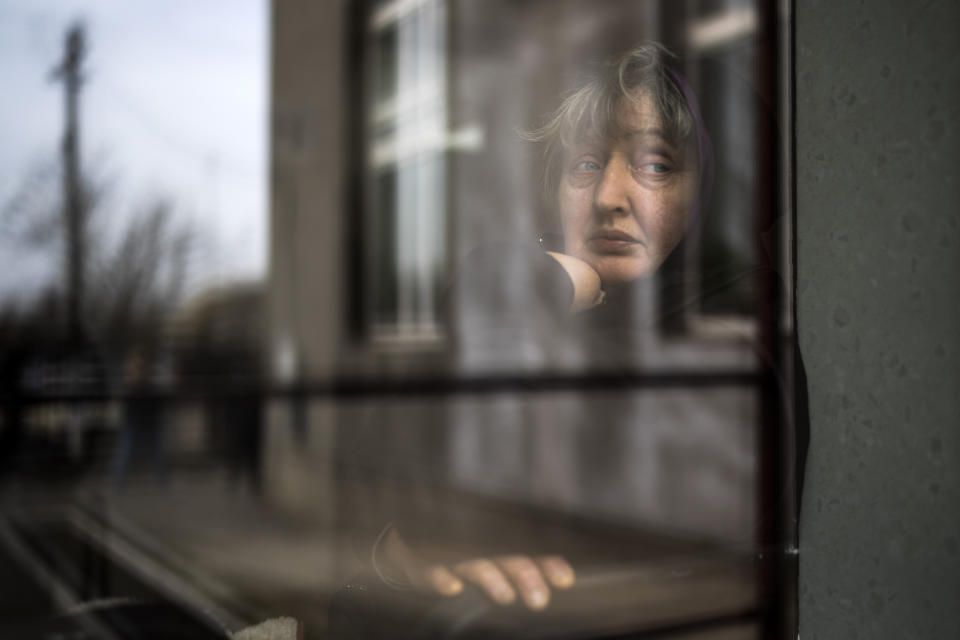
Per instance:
x=175, y=104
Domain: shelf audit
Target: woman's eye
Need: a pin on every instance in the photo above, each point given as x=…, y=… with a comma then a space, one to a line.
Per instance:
x=587, y=165
x=655, y=168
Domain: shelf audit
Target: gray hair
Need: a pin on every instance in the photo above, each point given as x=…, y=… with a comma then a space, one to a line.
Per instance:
x=590, y=112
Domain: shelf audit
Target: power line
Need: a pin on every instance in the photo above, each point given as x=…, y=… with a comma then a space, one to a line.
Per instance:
x=153, y=124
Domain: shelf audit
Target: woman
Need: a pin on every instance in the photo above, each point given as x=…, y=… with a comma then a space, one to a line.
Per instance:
x=627, y=164
x=627, y=167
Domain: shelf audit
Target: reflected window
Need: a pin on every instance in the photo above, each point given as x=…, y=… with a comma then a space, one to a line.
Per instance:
x=405, y=169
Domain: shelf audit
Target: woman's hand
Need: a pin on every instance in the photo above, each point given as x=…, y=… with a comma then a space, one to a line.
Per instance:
x=587, y=291
x=503, y=579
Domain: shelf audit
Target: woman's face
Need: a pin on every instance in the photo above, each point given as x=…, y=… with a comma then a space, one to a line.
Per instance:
x=624, y=205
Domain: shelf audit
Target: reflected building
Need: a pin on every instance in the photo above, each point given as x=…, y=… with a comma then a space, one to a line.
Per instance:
x=396, y=151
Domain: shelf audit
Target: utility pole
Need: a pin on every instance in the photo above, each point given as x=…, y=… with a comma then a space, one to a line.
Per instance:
x=70, y=73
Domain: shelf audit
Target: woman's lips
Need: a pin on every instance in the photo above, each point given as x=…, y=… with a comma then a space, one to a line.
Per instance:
x=612, y=242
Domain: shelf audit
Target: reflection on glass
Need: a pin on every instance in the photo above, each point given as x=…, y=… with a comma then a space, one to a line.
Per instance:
x=528, y=375
x=408, y=123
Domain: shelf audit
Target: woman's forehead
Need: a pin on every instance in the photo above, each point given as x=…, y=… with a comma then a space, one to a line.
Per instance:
x=632, y=120
x=637, y=111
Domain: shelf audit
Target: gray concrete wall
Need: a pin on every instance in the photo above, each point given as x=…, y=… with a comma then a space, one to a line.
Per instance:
x=878, y=111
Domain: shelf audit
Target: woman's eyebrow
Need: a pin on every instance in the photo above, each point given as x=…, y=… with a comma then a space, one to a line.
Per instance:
x=651, y=132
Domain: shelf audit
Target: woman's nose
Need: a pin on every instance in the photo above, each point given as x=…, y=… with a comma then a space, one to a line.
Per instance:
x=610, y=195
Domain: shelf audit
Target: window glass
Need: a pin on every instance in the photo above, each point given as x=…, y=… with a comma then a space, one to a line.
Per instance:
x=517, y=361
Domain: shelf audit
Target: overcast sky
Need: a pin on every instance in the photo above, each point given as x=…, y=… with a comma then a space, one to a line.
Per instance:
x=175, y=104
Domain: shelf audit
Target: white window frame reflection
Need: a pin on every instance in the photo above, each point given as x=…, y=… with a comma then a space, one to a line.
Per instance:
x=407, y=125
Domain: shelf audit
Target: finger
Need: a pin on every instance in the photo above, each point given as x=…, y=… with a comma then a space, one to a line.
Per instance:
x=488, y=577
x=442, y=580
x=558, y=572
x=526, y=575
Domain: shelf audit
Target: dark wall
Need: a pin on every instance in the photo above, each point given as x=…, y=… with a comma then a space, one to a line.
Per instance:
x=878, y=177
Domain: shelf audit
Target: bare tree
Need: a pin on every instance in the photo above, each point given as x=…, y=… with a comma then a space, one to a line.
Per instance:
x=137, y=285
x=134, y=280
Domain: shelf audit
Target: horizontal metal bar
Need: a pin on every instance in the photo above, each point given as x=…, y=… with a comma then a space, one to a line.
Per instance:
x=360, y=387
